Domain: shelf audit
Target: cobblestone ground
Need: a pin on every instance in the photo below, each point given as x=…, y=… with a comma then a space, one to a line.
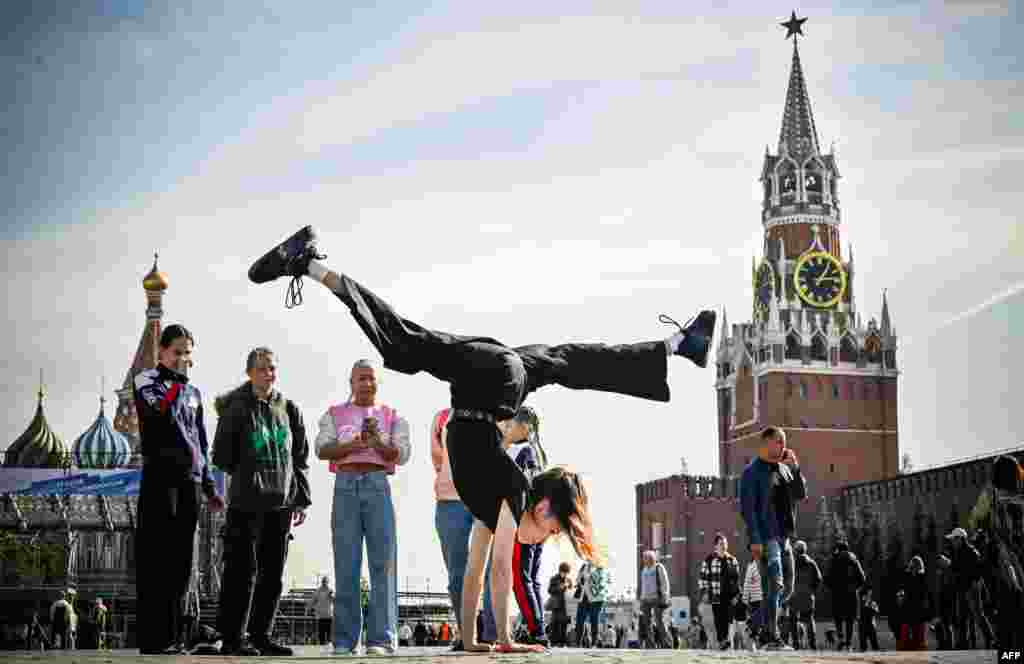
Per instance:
x=555, y=656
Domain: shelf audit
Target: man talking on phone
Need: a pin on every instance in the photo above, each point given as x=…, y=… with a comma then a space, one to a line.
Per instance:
x=769, y=490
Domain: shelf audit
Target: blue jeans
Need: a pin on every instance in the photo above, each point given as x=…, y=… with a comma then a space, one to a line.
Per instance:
x=454, y=523
x=776, y=566
x=588, y=612
x=489, y=631
x=363, y=509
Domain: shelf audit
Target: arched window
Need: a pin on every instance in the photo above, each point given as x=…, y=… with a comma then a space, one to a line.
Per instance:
x=787, y=181
x=814, y=181
x=847, y=350
x=873, y=347
x=835, y=391
x=793, y=346
x=803, y=390
x=819, y=350
x=767, y=188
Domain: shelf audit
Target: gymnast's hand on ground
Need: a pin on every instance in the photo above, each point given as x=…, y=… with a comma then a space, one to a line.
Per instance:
x=519, y=647
x=477, y=647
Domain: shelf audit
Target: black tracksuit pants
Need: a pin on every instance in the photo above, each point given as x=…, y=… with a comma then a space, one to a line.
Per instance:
x=164, y=545
x=255, y=552
x=486, y=375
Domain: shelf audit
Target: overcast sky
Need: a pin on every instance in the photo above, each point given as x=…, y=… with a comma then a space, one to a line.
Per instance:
x=538, y=172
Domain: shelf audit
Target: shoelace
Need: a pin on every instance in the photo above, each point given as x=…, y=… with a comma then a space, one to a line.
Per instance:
x=668, y=320
x=293, y=296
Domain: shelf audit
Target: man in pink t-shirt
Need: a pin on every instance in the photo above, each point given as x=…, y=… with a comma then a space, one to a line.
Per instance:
x=364, y=440
x=451, y=517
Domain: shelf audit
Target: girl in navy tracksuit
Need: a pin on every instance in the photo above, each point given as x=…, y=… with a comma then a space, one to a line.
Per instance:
x=529, y=456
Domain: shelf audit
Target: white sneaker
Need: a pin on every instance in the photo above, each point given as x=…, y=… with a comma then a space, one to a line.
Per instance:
x=380, y=650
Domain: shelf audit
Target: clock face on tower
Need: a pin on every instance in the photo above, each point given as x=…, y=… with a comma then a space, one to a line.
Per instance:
x=764, y=287
x=819, y=279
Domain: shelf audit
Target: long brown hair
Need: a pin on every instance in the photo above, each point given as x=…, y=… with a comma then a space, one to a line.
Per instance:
x=570, y=505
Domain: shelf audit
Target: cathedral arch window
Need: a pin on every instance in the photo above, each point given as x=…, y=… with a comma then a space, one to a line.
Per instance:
x=835, y=391
x=793, y=346
x=819, y=349
x=768, y=182
x=847, y=350
x=803, y=390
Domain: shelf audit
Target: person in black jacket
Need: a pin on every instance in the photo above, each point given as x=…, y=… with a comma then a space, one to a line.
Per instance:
x=969, y=588
x=807, y=577
x=868, y=624
x=845, y=579
x=261, y=442
x=175, y=469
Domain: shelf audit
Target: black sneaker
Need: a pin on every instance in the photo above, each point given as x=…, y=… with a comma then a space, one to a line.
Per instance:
x=173, y=649
x=537, y=641
x=290, y=258
x=239, y=650
x=271, y=647
x=458, y=647
x=697, y=337
x=777, y=645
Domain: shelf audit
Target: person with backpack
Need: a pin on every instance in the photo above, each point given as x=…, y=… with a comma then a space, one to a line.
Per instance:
x=845, y=578
x=719, y=584
x=967, y=575
x=654, y=598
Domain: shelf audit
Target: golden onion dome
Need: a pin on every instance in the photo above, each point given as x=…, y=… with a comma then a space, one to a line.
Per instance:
x=155, y=280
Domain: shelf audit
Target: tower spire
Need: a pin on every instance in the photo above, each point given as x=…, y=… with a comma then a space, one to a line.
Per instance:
x=798, y=135
x=886, y=321
x=725, y=328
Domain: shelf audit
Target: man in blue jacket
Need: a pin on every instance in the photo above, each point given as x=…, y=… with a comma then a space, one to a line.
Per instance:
x=769, y=490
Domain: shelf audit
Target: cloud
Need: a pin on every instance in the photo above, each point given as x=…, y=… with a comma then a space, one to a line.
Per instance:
x=969, y=313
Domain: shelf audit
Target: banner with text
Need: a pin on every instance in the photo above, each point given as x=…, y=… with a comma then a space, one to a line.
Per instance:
x=78, y=482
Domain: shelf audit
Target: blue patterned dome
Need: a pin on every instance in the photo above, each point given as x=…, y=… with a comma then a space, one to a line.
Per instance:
x=100, y=446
